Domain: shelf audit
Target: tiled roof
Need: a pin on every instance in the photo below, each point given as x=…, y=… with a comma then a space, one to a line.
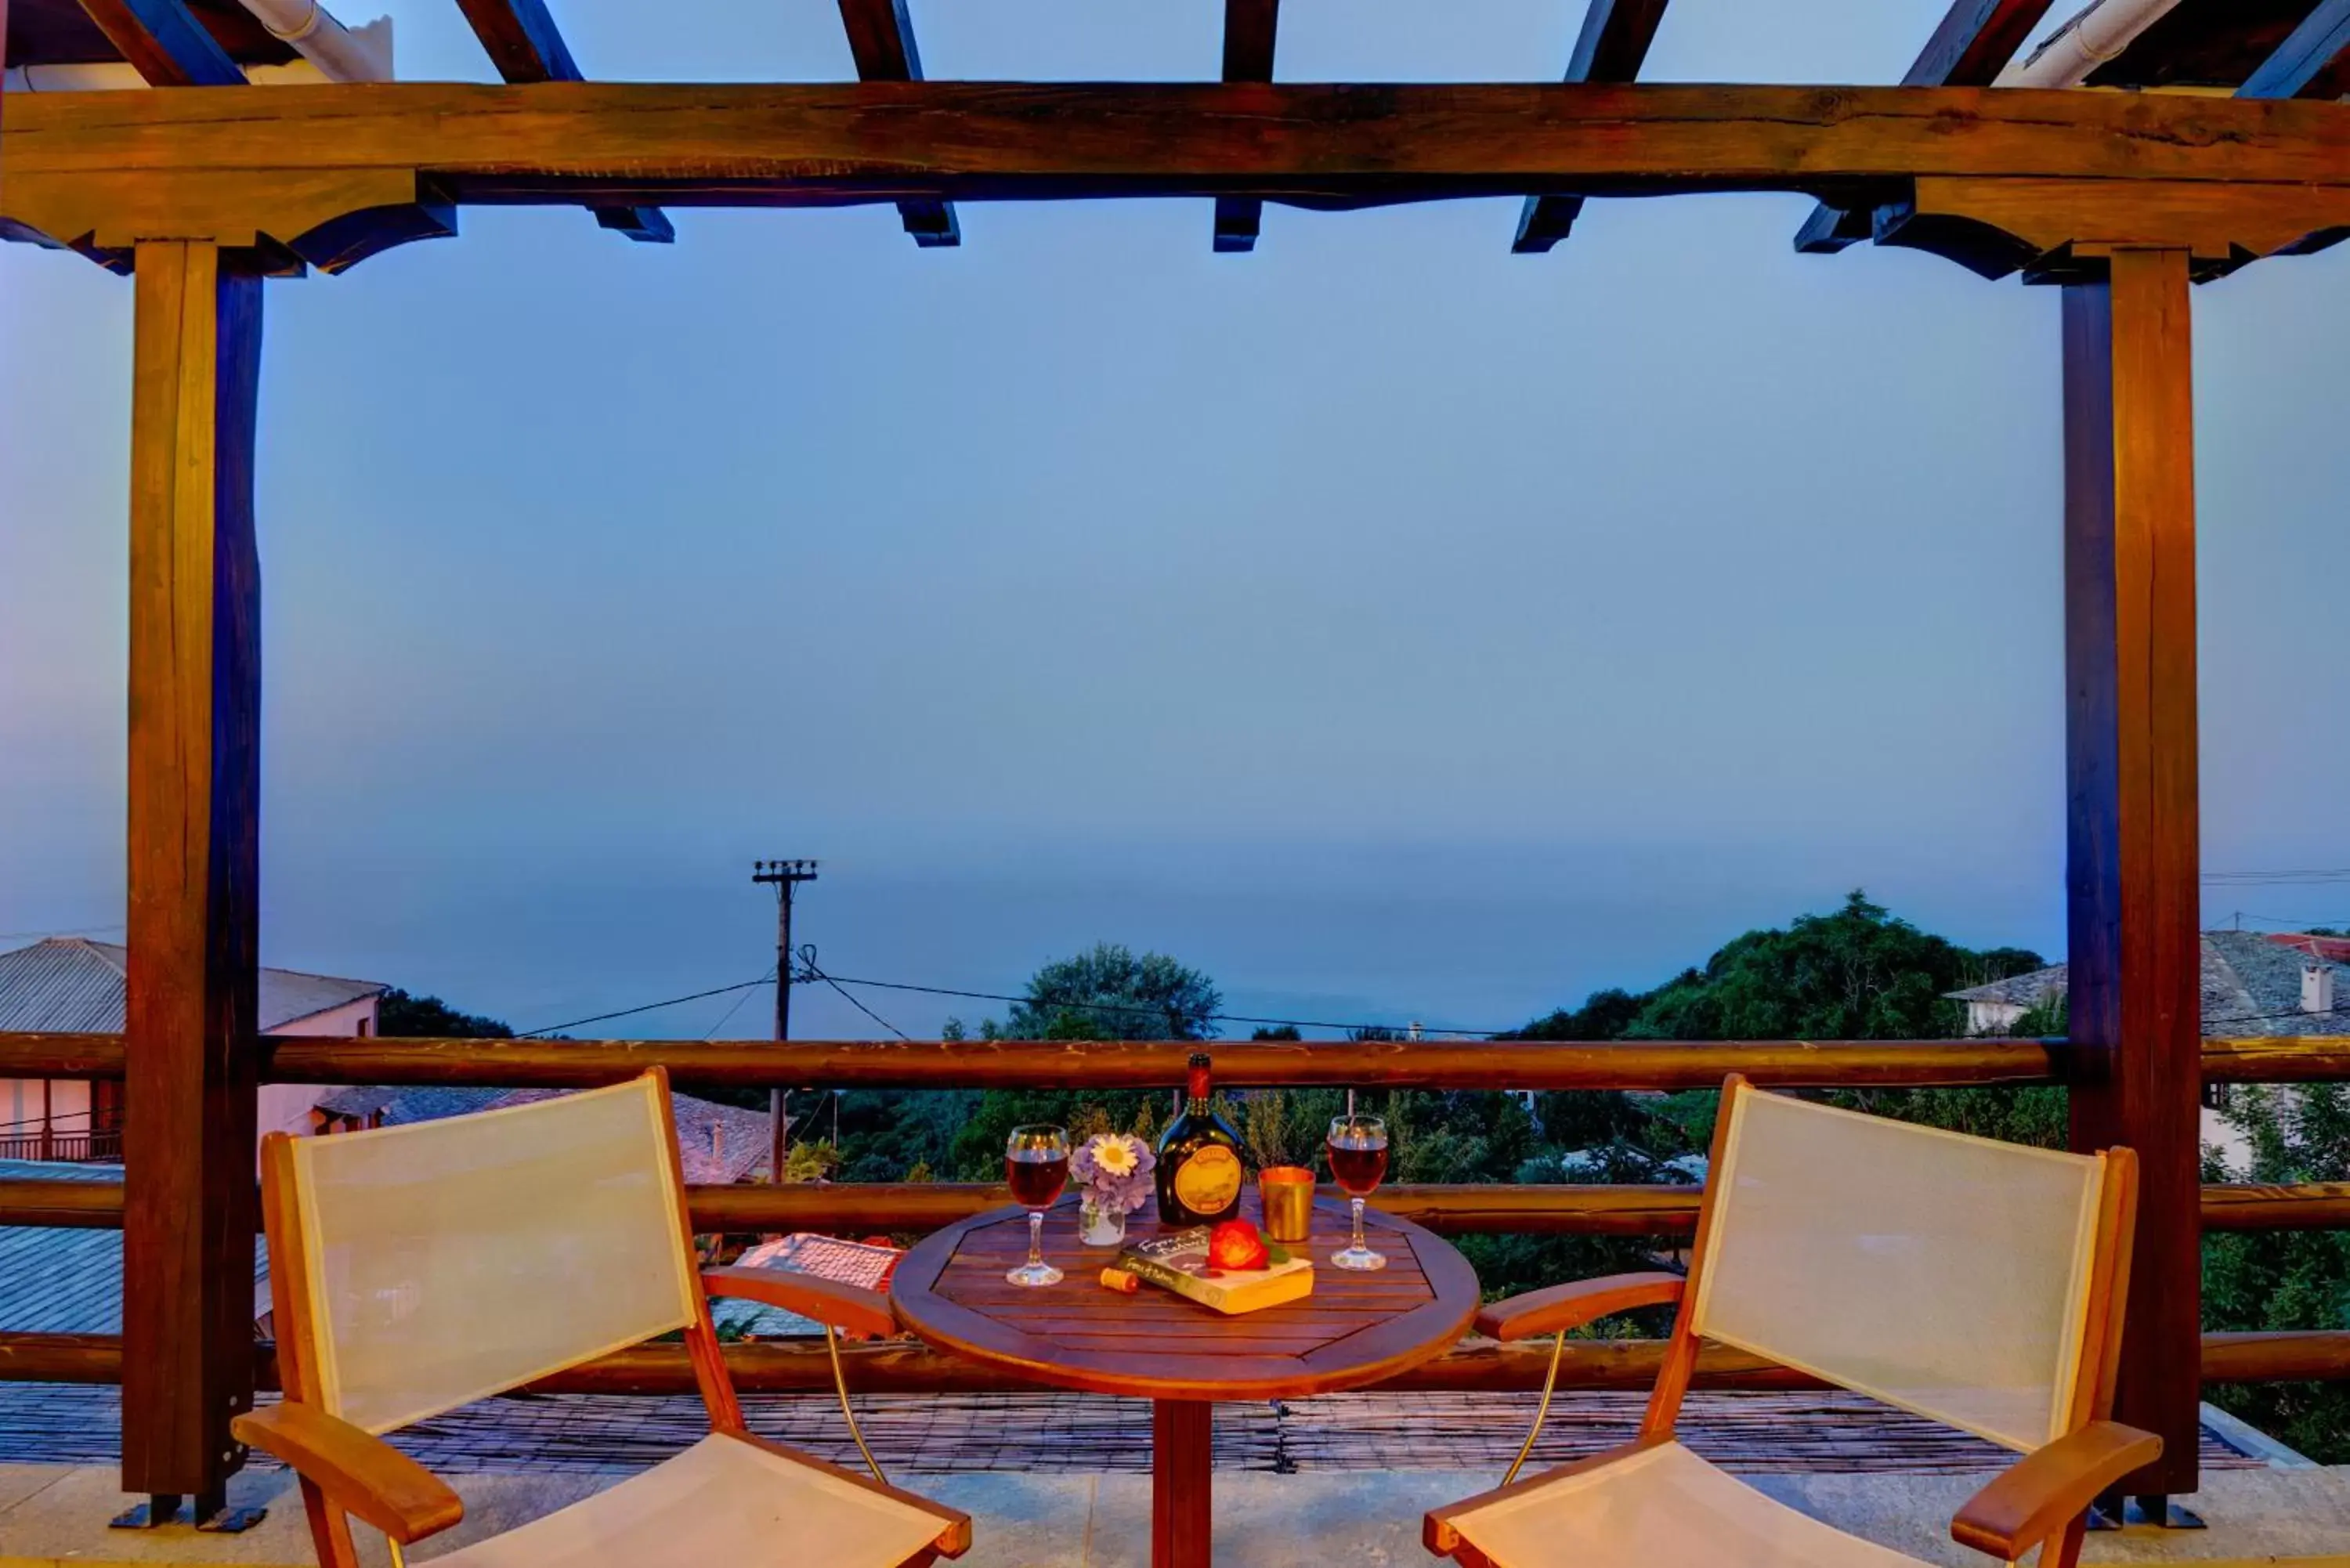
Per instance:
x=826, y=1256
x=2022, y=990
x=2251, y=985
x=73, y=985
x=59, y=1280
x=737, y=1151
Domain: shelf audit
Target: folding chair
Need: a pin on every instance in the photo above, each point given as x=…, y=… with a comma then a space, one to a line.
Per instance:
x=1975, y=1283
x=419, y=1268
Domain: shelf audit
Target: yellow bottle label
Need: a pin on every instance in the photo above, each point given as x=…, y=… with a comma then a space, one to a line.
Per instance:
x=1209, y=1181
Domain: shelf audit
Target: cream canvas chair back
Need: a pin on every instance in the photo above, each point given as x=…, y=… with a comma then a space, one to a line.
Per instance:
x=447, y=1260
x=1950, y=1275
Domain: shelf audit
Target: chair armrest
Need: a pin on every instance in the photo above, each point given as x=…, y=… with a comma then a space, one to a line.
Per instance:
x=360, y=1473
x=850, y=1307
x=1574, y=1304
x=2039, y=1494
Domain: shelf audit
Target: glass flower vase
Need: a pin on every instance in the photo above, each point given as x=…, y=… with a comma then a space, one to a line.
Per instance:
x=1101, y=1222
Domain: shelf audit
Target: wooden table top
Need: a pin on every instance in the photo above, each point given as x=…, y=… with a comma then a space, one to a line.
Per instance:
x=1355, y=1329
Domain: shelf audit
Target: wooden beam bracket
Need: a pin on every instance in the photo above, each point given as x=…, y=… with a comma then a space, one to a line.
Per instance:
x=2063, y=230
x=273, y=222
x=1973, y=43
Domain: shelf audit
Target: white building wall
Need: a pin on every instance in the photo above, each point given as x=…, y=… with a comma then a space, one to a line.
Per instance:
x=285, y=1107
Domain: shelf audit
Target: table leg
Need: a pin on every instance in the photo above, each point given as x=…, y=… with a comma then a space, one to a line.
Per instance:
x=1178, y=1483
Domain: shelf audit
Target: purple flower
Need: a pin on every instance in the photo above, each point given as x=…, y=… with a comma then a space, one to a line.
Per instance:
x=1114, y=1169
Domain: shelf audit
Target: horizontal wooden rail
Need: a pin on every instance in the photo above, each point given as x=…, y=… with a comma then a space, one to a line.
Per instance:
x=1104, y=1064
x=2302, y=1206
x=77, y=1205
x=1150, y=1064
x=2285, y=1059
x=2282, y=1356
x=1131, y=1064
x=1452, y=1209
x=903, y=1366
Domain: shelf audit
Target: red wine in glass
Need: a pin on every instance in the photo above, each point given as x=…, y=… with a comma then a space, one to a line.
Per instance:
x=1358, y=1170
x=1037, y=1167
x=1036, y=1176
x=1359, y=1162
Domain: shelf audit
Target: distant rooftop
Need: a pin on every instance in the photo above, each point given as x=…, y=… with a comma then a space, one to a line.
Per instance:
x=2251, y=984
x=68, y=1281
x=717, y=1143
x=72, y=985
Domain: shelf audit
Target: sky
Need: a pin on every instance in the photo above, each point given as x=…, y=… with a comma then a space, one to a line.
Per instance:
x=1392, y=626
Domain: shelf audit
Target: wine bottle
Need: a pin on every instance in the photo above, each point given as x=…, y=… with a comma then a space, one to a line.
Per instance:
x=1200, y=1171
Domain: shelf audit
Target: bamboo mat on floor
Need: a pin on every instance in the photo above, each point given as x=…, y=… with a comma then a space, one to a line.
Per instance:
x=1041, y=1433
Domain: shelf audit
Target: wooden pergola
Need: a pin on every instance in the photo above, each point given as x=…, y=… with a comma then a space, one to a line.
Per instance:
x=2218, y=145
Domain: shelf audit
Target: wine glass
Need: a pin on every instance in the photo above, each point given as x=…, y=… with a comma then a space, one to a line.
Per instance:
x=1037, y=1167
x=1358, y=1158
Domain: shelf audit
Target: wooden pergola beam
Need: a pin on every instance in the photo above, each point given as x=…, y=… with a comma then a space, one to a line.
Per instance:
x=164, y=43
x=1969, y=48
x=526, y=45
x=881, y=41
x=1250, y=30
x=2134, y=168
x=2312, y=62
x=1613, y=42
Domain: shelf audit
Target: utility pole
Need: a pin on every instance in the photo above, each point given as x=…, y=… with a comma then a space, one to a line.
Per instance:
x=784, y=875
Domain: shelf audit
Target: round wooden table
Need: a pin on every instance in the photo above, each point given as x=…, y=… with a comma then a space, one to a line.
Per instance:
x=1355, y=1329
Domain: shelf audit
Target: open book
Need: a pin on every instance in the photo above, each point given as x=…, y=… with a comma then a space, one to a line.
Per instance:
x=1180, y=1263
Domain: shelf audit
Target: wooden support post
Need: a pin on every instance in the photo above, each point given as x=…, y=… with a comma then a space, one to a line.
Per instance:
x=1181, y=1475
x=191, y=1056
x=2132, y=878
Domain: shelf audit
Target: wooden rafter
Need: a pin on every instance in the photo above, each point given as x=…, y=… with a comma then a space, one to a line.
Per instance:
x=1972, y=46
x=526, y=45
x=1250, y=29
x=164, y=42
x=2314, y=62
x=1613, y=42
x=881, y=41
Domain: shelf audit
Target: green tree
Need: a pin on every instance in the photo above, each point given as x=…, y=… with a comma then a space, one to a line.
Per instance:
x=1109, y=992
x=1860, y=974
x=411, y=1017
x=2285, y=1279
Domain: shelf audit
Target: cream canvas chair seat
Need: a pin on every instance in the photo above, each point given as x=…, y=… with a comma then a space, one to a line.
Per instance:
x=1975, y=1283
x=1662, y=1504
x=724, y=1499
x=419, y=1268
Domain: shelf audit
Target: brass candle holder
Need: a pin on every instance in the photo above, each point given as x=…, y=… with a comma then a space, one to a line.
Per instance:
x=1288, y=1191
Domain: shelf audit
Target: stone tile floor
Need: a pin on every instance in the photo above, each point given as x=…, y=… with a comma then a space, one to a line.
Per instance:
x=54, y=1515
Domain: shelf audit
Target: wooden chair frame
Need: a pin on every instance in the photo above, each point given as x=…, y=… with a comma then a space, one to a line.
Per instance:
x=346, y=1471
x=2043, y=1497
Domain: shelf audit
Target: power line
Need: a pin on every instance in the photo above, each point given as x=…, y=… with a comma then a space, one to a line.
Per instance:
x=742, y=995
x=648, y=1007
x=69, y=931
x=807, y=957
x=1139, y=1008
x=2275, y=878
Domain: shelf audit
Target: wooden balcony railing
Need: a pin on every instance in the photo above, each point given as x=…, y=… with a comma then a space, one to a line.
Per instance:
x=861, y=1208
x=69, y=1147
